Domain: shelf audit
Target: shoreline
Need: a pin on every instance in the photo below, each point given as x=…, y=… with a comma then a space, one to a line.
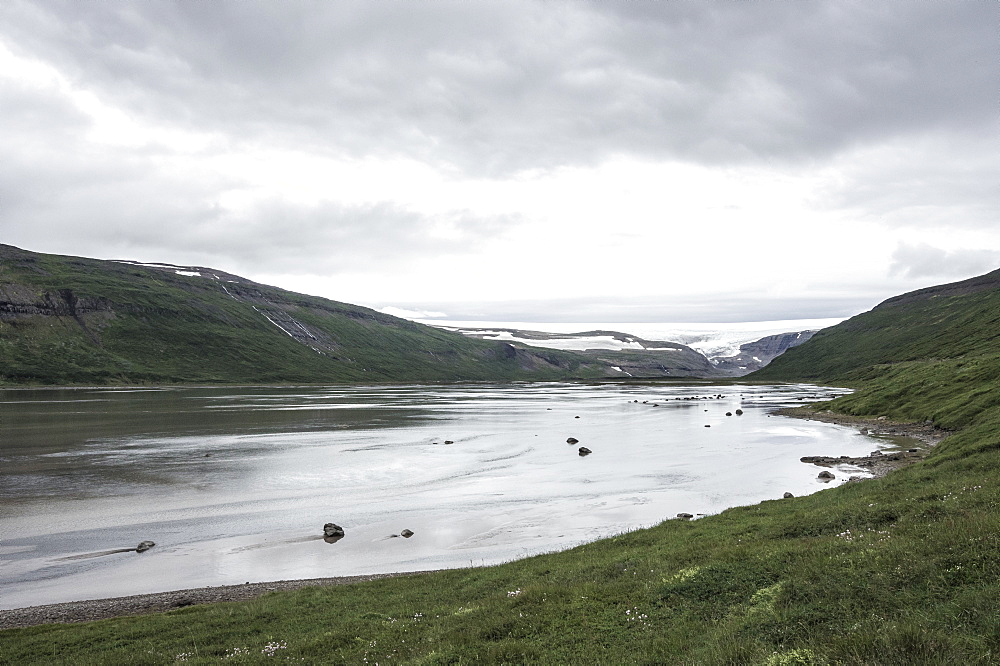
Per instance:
x=880, y=464
x=90, y=610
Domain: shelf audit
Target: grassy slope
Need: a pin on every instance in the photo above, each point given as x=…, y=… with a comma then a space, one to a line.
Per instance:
x=930, y=355
x=900, y=570
x=151, y=325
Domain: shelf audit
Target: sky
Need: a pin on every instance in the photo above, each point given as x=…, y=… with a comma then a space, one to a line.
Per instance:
x=548, y=160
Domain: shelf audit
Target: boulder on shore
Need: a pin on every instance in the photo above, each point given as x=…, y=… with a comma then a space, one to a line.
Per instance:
x=788, y=496
x=406, y=534
x=144, y=546
x=825, y=475
x=584, y=451
x=333, y=530
x=572, y=440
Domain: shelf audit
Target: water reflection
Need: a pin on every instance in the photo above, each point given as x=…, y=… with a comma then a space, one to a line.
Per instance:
x=236, y=484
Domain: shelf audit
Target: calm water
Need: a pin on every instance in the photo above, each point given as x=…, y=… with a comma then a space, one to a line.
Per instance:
x=235, y=484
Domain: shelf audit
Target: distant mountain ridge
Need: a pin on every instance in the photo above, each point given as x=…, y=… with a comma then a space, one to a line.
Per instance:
x=652, y=358
x=755, y=355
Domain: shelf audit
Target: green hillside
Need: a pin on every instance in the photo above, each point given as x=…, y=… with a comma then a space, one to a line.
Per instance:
x=933, y=354
x=70, y=320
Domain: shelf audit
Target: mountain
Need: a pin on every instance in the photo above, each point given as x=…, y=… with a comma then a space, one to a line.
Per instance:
x=637, y=357
x=757, y=354
x=628, y=355
x=73, y=320
x=931, y=354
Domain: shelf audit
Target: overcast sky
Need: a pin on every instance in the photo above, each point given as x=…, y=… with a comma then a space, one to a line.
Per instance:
x=529, y=161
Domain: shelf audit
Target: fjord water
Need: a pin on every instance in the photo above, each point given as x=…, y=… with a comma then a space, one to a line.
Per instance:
x=235, y=484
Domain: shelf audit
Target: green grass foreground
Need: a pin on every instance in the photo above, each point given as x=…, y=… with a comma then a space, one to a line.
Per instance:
x=899, y=570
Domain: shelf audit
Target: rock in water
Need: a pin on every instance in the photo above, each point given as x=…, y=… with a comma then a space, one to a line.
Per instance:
x=572, y=440
x=406, y=534
x=739, y=412
x=333, y=530
x=825, y=475
x=144, y=546
x=584, y=451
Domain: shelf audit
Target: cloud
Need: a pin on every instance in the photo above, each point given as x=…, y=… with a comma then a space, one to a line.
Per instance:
x=412, y=314
x=924, y=261
x=501, y=87
x=938, y=182
x=544, y=153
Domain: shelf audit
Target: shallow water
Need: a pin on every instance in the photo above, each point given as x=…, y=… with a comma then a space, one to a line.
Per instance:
x=235, y=484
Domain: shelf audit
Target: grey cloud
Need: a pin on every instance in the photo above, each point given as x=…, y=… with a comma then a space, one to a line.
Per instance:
x=924, y=261
x=277, y=236
x=948, y=182
x=505, y=86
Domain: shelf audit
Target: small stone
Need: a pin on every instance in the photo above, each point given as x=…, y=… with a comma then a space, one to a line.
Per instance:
x=584, y=451
x=788, y=496
x=333, y=530
x=448, y=441
x=826, y=475
x=739, y=412
x=406, y=534
x=707, y=426
x=576, y=417
x=144, y=546
x=685, y=516
x=572, y=440
x=729, y=413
